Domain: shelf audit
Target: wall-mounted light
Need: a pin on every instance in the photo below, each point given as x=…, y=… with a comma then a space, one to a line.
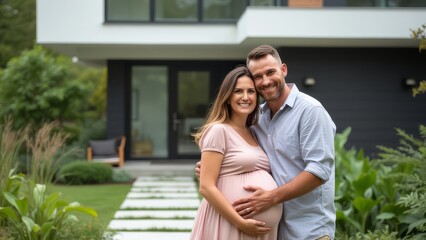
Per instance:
x=410, y=82
x=309, y=81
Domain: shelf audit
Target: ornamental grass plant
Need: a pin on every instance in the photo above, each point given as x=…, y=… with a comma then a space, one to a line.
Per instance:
x=46, y=149
x=26, y=199
x=10, y=144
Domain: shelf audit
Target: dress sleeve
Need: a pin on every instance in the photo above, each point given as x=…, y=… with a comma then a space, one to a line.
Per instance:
x=213, y=139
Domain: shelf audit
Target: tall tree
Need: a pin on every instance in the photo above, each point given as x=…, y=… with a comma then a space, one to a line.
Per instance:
x=17, y=28
x=37, y=88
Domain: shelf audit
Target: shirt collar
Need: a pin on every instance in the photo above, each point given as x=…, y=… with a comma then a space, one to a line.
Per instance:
x=291, y=99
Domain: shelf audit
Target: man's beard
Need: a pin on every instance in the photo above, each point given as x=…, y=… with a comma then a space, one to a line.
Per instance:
x=275, y=96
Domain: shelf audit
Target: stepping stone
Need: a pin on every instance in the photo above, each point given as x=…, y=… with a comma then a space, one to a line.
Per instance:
x=161, y=195
x=147, y=224
x=164, y=189
x=189, y=179
x=156, y=214
x=152, y=235
x=163, y=184
x=160, y=203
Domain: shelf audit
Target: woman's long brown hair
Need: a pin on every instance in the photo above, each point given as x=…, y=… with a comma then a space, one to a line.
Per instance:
x=221, y=110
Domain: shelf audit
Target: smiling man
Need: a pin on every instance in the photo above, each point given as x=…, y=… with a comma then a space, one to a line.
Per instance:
x=297, y=135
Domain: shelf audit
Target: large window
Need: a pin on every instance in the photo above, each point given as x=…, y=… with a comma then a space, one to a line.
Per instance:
x=127, y=10
x=149, y=111
x=376, y=3
x=222, y=9
x=217, y=10
x=176, y=10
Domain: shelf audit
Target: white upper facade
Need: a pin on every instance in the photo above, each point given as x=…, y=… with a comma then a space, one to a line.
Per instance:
x=78, y=28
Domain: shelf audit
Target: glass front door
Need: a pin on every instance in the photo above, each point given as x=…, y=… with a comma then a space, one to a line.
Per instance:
x=166, y=109
x=149, y=112
x=190, y=106
x=168, y=103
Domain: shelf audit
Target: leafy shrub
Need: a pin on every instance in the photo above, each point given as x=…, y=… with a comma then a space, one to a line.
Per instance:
x=92, y=129
x=378, y=234
x=121, y=176
x=407, y=170
x=84, y=172
x=82, y=230
x=55, y=93
x=34, y=214
x=6, y=233
x=386, y=193
x=356, y=203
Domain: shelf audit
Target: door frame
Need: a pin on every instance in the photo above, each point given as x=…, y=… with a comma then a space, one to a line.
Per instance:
x=173, y=101
x=217, y=69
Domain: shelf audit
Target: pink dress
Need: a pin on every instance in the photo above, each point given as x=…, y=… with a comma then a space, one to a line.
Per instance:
x=243, y=164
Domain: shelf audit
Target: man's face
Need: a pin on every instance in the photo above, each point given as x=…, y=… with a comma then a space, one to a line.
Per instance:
x=268, y=77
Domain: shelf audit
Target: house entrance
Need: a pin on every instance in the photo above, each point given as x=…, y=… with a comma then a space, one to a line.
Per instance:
x=191, y=95
x=169, y=101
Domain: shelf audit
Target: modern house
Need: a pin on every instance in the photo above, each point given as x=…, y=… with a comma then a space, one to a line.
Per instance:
x=166, y=59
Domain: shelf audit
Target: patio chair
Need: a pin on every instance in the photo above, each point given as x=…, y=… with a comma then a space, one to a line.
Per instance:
x=109, y=151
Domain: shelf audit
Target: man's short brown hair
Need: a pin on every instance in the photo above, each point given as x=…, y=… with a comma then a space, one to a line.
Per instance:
x=261, y=52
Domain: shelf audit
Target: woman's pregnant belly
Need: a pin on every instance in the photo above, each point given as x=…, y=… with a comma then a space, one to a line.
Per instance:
x=232, y=188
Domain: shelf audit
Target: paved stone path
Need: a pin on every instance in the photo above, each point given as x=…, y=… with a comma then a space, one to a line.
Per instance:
x=157, y=208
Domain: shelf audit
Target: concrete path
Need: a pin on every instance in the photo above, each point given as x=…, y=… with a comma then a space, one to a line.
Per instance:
x=157, y=208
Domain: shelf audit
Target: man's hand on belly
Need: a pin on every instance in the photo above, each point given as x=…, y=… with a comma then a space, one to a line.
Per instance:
x=258, y=202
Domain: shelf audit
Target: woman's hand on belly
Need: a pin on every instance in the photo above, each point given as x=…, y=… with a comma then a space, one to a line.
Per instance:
x=258, y=202
x=254, y=227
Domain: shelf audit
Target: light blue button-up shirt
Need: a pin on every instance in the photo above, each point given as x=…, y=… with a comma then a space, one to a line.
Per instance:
x=300, y=137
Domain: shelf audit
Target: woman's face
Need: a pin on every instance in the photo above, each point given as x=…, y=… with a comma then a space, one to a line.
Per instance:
x=243, y=99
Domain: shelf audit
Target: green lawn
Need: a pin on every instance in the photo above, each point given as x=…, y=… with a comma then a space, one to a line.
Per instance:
x=104, y=198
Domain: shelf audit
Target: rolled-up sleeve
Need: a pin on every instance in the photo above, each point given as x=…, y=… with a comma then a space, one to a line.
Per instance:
x=317, y=142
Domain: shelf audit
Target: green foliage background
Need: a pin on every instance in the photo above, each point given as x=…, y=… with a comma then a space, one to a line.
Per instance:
x=38, y=85
x=383, y=198
x=17, y=28
x=34, y=89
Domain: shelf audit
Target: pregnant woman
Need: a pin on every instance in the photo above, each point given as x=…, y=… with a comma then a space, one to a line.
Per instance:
x=230, y=159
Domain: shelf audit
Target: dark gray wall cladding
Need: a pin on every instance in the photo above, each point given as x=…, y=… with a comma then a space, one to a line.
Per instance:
x=116, y=101
x=362, y=89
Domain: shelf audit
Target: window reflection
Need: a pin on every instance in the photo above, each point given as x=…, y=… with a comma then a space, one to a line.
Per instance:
x=193, y=100
x=218, y=10
x=262, y=2
x=180, y=10
x=127, y=10
x=223, y=9
x=149, y=111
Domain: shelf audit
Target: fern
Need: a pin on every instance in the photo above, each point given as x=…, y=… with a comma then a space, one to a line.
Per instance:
x=415, y=201
x=408, y=164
